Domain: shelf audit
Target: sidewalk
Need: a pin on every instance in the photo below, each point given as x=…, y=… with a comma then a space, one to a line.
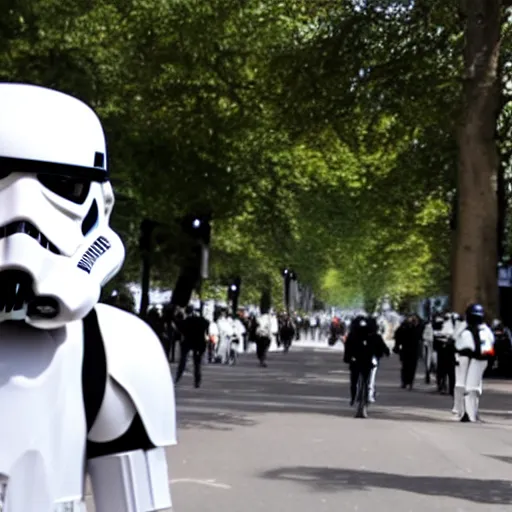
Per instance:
x=284, y=439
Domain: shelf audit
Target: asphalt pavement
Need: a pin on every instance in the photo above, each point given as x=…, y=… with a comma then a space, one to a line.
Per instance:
x=284, y=439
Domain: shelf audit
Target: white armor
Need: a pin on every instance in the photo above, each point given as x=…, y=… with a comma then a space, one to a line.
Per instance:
x=469, y=371
x=86, y=387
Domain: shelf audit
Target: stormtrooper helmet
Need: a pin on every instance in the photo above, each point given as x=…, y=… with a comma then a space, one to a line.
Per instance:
x=56, y=247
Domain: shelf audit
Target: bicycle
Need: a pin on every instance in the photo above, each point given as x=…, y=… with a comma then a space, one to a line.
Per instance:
x=361, y=401
x=233, y=351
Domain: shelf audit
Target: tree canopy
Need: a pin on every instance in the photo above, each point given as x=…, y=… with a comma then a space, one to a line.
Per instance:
x=321, y=134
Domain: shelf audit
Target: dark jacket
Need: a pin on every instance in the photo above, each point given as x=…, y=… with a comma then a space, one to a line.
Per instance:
x=408, y=339
x=362, y=347
x=194, y=330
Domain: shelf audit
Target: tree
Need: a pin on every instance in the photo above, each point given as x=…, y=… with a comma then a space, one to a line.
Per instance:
x=474, y=272
x=319, y=133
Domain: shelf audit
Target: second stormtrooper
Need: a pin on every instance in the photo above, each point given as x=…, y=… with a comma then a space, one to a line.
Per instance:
x=474, y=345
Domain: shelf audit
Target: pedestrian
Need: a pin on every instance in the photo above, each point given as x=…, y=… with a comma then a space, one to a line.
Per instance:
x=380, y=349
x=502, y=349
x=263, y=337
x=429, y=356
x=444, y=345
x=287, y=332
x=213, y=340
x=408, y=338
x=474, y=346
x=226, y=332
x=194, y=330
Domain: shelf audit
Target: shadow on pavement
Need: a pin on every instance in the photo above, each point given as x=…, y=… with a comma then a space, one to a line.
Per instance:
x=502, y=458
x=311, y=383
x=490, y=492
x=212, y=420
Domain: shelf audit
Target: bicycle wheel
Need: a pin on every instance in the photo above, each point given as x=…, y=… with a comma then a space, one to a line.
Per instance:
x=361, y=397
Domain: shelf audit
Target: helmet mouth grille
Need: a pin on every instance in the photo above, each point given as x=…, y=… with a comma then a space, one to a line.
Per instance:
x=23, y=226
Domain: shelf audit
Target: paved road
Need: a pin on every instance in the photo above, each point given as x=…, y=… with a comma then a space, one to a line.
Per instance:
x=283, y=439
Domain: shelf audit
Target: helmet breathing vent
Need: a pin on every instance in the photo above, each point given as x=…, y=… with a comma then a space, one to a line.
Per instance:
x=91, y=219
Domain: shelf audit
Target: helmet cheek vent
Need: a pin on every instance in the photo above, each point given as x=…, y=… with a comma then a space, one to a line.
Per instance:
x=91, y=219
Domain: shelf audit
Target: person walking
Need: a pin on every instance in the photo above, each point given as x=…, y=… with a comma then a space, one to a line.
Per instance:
x=380, y=349
x=474, y=345
x=286, y=332
x=263, y=337
x=194, y=330
x=408, y=338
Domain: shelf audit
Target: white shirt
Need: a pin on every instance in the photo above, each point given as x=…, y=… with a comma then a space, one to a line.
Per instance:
x=274, y=324
x=265, y=325
x=428, y=333
x=238, y=327
x=225, y=327
x=213, y=329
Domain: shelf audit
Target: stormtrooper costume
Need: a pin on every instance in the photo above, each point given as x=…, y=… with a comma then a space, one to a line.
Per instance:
x=239, y=331
x=225, y=336
x=85, y=387
x=429, y=356
x=471, y=362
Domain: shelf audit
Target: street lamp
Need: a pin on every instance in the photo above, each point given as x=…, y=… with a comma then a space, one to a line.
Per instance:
x=234, y=294
x=289, y=275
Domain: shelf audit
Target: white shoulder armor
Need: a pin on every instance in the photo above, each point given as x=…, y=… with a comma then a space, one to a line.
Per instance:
x=136, y=362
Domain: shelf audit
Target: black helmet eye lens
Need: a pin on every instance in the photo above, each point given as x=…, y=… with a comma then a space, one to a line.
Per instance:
x=69, y=188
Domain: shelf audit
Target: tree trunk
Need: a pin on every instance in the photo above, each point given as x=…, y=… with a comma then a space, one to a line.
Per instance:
x=475, y=272
x=453, y=252
x=502, y=212
x=189, y=279
x=370, y=304
x=265, y=301
x=146, y=247
x=145, y=284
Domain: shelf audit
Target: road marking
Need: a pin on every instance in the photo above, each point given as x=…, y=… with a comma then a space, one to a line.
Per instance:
x=208, y=483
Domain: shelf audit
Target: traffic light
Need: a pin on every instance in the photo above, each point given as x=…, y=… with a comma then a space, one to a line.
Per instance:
x=289, y=275
x=198, y=227
x=234, y=288
x=234, y=293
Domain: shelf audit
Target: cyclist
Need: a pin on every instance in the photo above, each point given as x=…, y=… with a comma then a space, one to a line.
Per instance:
x=362, y=348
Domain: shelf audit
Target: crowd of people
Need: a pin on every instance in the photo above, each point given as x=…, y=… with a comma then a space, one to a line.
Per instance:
x=460, y=350
x=221, y=339
x=457, y=350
